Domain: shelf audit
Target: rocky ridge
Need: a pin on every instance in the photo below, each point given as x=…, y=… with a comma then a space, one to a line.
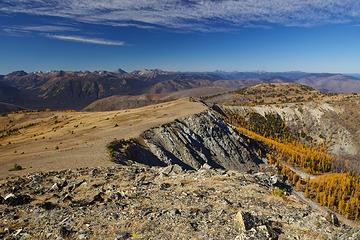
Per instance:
x=140, y=202
x=191, y=142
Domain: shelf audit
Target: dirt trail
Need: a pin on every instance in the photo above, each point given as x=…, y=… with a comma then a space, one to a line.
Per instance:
x=302, y=174
x=301, y=196
x=61, y=140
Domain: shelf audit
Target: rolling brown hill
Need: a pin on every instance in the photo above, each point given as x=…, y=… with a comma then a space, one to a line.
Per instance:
x=72, y=89
x=133, y=101
x=333, y=83
x=267, y=93
x=123, y=102
x=78, y=89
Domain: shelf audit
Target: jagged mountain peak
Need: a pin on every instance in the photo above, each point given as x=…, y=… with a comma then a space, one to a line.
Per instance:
x=17, y=73
x=149, y=72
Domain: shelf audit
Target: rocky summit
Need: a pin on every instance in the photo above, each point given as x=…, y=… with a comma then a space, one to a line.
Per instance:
x=142, y=202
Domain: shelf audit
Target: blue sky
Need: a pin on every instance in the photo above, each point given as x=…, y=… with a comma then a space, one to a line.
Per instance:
x=269, y=35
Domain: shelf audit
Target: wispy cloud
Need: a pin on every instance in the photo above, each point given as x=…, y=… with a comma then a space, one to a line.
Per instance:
x=136, y=25
x=86, y=40
x=47, y=28
x=210, y=15
x=39, y=29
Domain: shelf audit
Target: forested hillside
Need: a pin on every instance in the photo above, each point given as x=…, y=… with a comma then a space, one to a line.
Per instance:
x=308, y=167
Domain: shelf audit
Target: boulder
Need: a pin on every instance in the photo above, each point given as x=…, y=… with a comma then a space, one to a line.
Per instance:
x=15, y=200
x=94, y=172
x=205, y=166
x=171, y=169
x=331, y=217
x=255, y=227
x=277, y=180
x=122, y=236
x=244, y=221
x=64, y=232
x=47, y=205
x=55, y=187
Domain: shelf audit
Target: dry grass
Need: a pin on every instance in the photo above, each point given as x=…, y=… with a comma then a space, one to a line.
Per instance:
x=61, y=140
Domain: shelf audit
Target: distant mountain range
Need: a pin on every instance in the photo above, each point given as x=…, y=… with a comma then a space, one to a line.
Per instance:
x=356, y=75
x=78, y=89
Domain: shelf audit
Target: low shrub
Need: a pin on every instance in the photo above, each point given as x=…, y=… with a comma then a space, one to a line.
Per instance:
x=16, y=167
x=278, y=192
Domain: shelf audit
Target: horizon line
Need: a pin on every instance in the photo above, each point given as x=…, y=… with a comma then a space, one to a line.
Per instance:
x=182, y=71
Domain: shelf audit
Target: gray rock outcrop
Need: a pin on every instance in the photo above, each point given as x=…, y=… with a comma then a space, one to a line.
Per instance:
x=192, y=142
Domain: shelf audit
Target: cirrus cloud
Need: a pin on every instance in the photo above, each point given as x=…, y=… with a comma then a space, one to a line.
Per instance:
x=196, y=15
x=83, y=39
x=39, y=28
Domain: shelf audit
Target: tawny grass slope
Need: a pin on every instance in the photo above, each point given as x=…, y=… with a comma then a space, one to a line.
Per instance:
x=61, y=140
